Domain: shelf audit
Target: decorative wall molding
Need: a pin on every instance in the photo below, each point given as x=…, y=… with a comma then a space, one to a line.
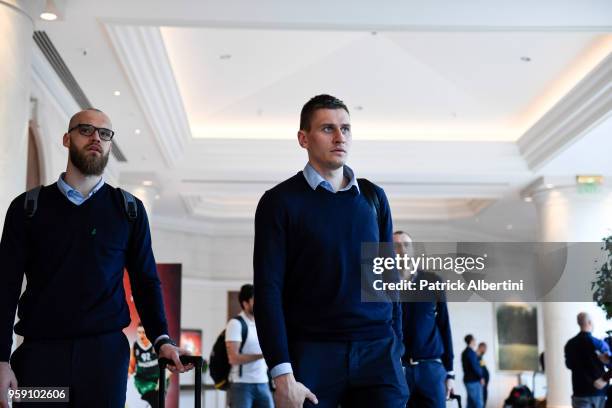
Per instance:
x=142, y=53
x=586, y=105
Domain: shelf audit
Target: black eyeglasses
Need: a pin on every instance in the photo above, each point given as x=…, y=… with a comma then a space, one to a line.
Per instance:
x=88, y=130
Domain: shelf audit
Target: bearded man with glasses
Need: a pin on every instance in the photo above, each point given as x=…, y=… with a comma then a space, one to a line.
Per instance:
x=72, y=241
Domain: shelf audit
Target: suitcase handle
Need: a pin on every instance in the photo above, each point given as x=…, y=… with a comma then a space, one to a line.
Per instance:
x=197, y=362
x=185, y=359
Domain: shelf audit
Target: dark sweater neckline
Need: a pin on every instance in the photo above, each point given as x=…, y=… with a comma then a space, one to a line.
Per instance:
x=63, y=198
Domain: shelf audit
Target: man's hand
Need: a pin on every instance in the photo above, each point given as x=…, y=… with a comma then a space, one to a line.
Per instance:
x=172, y=353
x=290, y=393
x=482, y=381
x=604, y=358
x=7, y=380
x=450, y=387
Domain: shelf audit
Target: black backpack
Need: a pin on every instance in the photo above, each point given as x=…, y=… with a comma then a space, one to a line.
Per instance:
x=31, y=203
x=219, y=366
x=520, y=397
x=367, y=188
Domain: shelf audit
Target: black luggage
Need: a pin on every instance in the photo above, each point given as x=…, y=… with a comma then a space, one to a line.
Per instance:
x=520, y=397
x=197, y=364
x=454, y=397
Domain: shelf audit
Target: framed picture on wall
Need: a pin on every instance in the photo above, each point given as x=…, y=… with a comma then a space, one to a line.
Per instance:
x=191, y=339
x=516, y=336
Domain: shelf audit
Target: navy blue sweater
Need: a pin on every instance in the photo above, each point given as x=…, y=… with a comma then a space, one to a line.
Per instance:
x=581, y=358
x=307, y=268
x=74, y=258
x=471, y=366
x=426, y=328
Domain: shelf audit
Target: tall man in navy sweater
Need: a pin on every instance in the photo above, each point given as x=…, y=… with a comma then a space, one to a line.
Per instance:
x=428, y=359
x=323, y=344
x=73, y=250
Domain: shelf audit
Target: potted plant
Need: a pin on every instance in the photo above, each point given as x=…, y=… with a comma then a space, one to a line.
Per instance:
x=602, y=285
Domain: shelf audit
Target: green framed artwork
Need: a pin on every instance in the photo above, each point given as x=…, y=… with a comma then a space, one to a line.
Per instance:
x=516, y=337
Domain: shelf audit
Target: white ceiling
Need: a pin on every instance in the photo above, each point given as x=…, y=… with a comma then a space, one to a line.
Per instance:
x=446, y=115
x=250, y=83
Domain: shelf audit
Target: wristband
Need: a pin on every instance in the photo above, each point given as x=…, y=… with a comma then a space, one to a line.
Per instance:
x=161, y=342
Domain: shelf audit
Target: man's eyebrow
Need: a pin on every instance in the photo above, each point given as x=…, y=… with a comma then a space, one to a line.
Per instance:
x=333, y=125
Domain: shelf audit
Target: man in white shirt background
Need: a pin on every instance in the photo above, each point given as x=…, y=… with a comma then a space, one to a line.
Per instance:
x=249, y=372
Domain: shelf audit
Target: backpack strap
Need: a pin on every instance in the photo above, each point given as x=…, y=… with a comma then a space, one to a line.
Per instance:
x=245, y=332
x=367, y=188
x=31, y=201
x=129, y=202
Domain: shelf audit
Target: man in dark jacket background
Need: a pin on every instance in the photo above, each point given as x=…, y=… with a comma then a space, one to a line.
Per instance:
x=585, y=356
x=428, y=359
x=472, y=373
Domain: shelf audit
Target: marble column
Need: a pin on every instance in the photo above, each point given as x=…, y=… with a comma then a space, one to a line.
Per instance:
x=567, y=213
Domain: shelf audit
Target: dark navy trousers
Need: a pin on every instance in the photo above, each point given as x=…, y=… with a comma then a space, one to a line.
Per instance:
x=94, y=368
x=426, y=385
x=351, y=374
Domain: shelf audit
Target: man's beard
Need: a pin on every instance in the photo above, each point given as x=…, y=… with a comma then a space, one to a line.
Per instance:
x=86, y=164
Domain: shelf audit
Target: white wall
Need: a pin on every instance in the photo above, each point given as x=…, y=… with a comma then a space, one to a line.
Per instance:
x=478, y=318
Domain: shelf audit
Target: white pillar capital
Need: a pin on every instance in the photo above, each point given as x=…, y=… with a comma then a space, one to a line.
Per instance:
x=571, y=212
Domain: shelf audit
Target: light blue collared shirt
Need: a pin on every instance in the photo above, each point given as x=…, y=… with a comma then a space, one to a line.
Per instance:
x=74, y=195
x=314, y=179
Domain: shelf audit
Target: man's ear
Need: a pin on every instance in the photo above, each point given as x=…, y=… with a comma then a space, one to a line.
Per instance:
x=66, y=140
x=302, y=139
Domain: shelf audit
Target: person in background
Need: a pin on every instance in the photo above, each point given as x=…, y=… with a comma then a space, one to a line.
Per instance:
x=428, y=358
x=608, y=341
x=472, y=373
x=482, y=349
x=586, y=356
x=249, y=373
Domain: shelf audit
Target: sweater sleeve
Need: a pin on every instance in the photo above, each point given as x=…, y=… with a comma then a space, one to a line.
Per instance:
x=269, y=268
x=12, y=259
x=142, y=270
x=386, y=235
x=444, y=328
x=569, y=356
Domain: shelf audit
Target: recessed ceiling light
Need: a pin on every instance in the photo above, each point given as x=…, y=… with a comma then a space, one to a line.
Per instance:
x=528, y=199
x=117, y=93
x=359, y=107
x=157, y=196
x=137, y=131
x=509, y=226
x=374, y=32
x=50, y=11
x=225, y=56
x=550, y=186
x=525, y=59
x=48, y=16
x=147, y=183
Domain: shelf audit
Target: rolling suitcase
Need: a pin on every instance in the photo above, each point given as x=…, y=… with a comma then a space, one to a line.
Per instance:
x=452, y=399
x=197, y=364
